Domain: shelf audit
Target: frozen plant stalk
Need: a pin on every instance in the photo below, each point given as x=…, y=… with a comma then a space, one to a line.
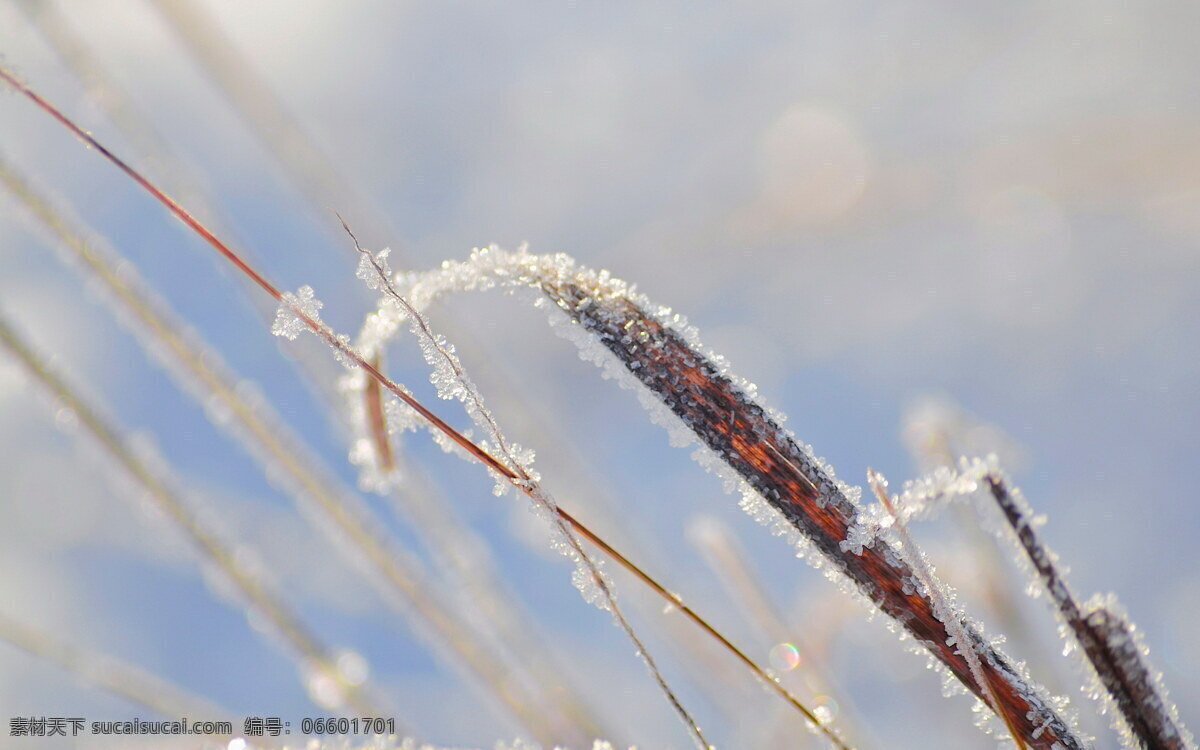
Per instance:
x=1108, y=640
x=303, y=310
x=690, y=391
x=452, y=383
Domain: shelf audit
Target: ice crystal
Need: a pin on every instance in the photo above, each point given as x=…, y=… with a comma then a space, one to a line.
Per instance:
x=374, y=270
x=289, y=317
x=919, y=499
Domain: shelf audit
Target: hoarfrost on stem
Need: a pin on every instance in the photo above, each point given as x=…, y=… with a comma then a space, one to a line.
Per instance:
x=375, y=271
x=691, y=391
x=289, y=322
x=452, y=382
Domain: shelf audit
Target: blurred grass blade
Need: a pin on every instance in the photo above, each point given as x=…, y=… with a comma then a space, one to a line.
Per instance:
x=720, y=549
x=314, y=172
x=256, y=594
x=110, y=674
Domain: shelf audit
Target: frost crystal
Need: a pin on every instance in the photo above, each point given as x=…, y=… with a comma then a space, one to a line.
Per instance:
x=919, y=499
x=288, y=322
x=375, y=274
x=594, y=586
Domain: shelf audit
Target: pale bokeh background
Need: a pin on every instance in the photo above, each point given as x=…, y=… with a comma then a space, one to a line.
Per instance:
x=859, y=204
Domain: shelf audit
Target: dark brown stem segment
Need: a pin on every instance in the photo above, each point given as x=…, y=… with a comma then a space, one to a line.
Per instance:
x=1103, y=635
x=747, y=439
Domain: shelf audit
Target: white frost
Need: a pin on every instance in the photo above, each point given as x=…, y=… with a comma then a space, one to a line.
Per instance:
x=288, y=321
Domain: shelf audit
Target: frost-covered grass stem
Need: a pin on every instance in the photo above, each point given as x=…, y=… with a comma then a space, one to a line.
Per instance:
x=1106, y=640
x=201, y=372
x=346, y=352
x=373, y=270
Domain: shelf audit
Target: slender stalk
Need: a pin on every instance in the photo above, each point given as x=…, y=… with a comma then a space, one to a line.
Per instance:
x=720, y=549
x=944, y=611
x=939, y=445
x=350, y=354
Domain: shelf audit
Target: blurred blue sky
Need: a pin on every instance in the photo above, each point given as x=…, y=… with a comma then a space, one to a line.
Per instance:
x=859, y=205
